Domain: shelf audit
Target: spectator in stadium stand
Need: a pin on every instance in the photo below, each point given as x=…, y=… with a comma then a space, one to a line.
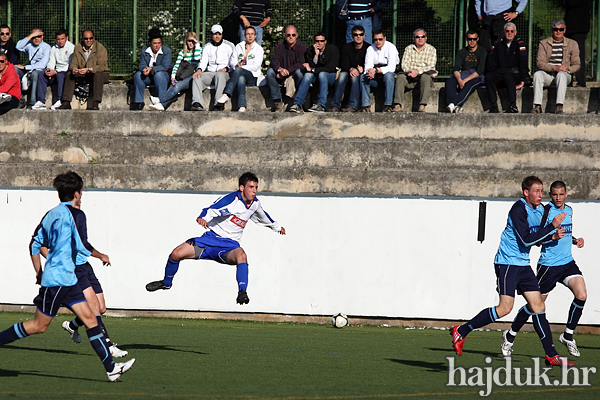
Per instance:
x=10, y=85
x=39, y=54
x=493, y=15
x=577, y=18
x=7, y=45
x=255, y=13
x=377, y=7
x=381, y=61
x=356, y=12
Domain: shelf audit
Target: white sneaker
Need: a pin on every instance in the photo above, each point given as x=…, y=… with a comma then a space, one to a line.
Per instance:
x=154, y=100
x=73, y=332
x=55, y=105
x=571, y=345
x=120, y=369
x=5, y=98
x=117, y=352
x=156, y=107
x=242, y=109
x=451, y=107
x=458, y=109
x=223, y=99
x=506, y=345
x=39, y=106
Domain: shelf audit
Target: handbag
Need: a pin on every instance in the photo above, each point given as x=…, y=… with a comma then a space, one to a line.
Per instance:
x=26, y=81
x=185, y=70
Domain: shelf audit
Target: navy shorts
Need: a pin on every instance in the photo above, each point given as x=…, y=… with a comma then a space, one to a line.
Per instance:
x=210, y=246
x=87, y=278
x=549, y=276
x=49, y=300
x=511, y=277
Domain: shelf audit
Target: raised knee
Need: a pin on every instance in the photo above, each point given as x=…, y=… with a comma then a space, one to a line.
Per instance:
x=242, y=258
x=102, y=310
x=581, y=296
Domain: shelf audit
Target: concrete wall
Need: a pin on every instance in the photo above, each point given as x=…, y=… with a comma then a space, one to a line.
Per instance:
x=362, y=255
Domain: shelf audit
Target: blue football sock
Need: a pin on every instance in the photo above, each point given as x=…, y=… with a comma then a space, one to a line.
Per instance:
x=542, y=327
x=13, y=333
x=76, y=323
x=574, y=314
x=98, y=342
x=101, y=325
x=485, y=317
x=170, y=271
x=242, y=276
x=520, y=320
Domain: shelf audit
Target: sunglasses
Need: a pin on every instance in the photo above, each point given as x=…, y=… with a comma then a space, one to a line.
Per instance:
x=358, y=34
x=378, y=40
x=420, y=36
x=2, y=61
x=88, y=38
x=320, y=41
x=190, y=41
x=472, y=39
x=38, y=37
x=291, y=35
x=510, y=31
x=4, y=33
x=558, y=29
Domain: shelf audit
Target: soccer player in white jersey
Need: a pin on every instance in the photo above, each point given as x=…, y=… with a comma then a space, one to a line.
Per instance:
x=225, y=220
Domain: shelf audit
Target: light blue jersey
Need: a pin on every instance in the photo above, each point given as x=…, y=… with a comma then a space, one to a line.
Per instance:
x=558, y=252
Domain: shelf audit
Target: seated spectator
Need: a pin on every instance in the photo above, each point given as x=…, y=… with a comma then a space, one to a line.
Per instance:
x=191, y=53
x=507, y=63
x=245, y=62
x=213, y=68
x=7, y=45
x=89, y=65
x=321, y=62
x=418, y=69
x=61, y=56
x=557, y=59
x=255, y=13
x=10, y=85
x=467, y=73
x=39, y=54
x=155, y=64
x=381, y=61
x=352, y=62
x=287, y=61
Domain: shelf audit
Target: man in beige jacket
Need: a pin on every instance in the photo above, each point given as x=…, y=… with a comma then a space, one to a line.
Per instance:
x=557, y=59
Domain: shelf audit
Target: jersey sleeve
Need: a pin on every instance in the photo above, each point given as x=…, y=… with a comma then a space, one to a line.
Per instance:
x=81, y=224
x=37, y=240
x=518, y=214
x=260, y=217
x=218, y=208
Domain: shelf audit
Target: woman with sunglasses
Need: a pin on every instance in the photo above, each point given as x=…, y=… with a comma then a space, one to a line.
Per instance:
x=10, y=85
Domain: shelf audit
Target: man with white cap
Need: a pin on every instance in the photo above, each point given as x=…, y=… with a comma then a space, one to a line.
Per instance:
x=213, y=68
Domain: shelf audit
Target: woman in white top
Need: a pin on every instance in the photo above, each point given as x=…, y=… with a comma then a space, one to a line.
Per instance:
x=245, y=62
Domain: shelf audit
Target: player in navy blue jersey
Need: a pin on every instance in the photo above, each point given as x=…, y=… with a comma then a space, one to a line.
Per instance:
x=556, y=264
x=225, y=220
x=59, y=232
x=514, y=273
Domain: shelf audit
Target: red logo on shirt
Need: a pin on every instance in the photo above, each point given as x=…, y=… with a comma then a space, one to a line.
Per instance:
x=238, y=221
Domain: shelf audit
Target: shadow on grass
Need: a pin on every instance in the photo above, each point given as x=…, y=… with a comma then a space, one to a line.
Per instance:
x=492, y=354
x=146, y=346
x=51, y=351
x=10, y=373
x=431, y=367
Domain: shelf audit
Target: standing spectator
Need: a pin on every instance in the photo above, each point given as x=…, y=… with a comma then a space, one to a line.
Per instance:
x=245, y=62
x=352, y=63
x=7, y=45
x=61, y=56
x=39, y=54
x=90, y=64
x=155, y=63
x=381, y=61
x=418, y=69
x=287, y=60
x=356, y=12
x=10, y=85
x=493, y=16
x=577, y=18
x=377, y=7
x=507, y=62
x=213, y=68
x=321, y=65
x=191, y=53
x=255, y=13
x=557, y=59
x=467, y=73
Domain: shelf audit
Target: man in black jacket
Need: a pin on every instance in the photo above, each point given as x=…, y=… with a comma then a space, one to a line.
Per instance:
x=321, y=64
x=577, y=18
x=352, y=63
x=7, y=45
x=507, y=62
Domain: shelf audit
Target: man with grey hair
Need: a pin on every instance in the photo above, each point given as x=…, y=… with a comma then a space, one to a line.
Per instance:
x=557, y=59
x=418, y=69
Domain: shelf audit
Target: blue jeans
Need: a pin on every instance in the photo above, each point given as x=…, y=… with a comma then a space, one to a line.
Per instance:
x=160, y=80
x=259, y=33
x=179, y=86
x=44, y=81
x=240, y=78
x=340, y=87
x=32, y=83
x=325, y=80
x=388, y=79
x=274, y=82
x=366, y=23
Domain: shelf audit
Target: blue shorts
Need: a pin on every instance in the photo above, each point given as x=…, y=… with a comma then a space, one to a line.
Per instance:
x=210, y=246
x=87, y=278
x=549, y=276
x=49, y=300
x=511, y=277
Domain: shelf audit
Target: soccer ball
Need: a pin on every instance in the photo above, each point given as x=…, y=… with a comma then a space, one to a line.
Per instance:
x=339, y=320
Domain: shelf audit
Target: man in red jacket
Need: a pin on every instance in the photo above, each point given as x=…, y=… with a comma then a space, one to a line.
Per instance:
x=10, y=85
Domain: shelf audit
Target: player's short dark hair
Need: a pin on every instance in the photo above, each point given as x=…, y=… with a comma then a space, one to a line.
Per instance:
x=358, y=28
x=319, y=34
x=473, y=32
x=247, y=177
x=67, y=184
x=4, y=26
x=61, y=31
x=378, y=32
x=154, y=33
x=558, y=185
x=530, y=181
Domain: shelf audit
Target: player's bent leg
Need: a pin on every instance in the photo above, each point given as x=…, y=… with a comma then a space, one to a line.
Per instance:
x=184, y=251
x=238, y=257
x=541, y=325
x=101, y=303
x=38, y=324
x=577, y=286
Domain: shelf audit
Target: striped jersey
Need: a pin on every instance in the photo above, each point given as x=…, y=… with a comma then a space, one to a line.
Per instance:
x=191, y=57
x=558, y=252
x=254, y=10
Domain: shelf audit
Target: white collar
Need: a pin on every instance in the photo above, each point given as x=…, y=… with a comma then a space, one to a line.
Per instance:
x=149, y=51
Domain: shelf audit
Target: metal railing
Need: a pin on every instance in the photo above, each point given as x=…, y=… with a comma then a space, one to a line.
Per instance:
x=121, y=25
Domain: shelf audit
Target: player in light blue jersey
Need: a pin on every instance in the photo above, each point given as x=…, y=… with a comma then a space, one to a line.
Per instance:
x=59, y=232
x=556, y=264
x=225, y=220
x=514, y=273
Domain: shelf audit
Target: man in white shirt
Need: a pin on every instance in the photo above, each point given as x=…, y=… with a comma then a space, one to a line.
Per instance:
x=380, y=68
x=61, y=55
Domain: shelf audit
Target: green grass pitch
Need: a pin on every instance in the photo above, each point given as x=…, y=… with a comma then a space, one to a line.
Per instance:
x=214, y=359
